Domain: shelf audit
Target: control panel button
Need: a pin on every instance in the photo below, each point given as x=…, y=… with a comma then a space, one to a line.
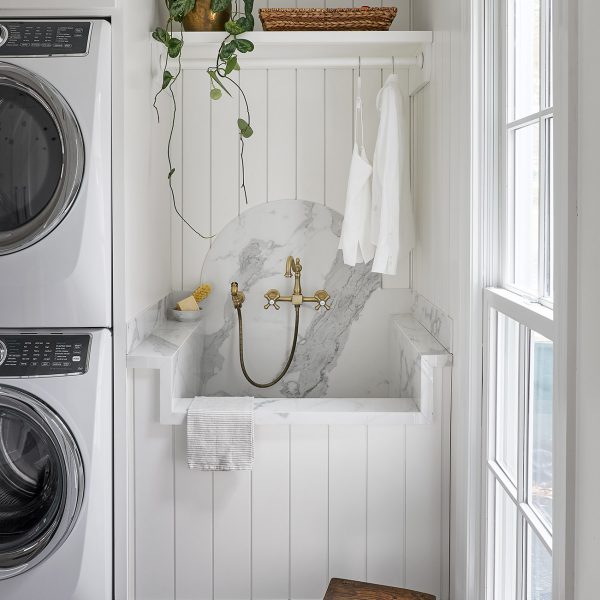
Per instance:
x=3, y=352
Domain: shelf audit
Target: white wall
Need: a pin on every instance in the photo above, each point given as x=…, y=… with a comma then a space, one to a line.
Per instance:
x=322, y=501
x=587, y=527
x=358, y=502
x=442, y=268
x=146, y=199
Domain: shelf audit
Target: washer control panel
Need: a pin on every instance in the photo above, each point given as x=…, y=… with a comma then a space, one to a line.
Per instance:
x=36, y=355
x=44, y=38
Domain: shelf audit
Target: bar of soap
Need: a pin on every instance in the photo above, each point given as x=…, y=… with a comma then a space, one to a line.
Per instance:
x=188, y=303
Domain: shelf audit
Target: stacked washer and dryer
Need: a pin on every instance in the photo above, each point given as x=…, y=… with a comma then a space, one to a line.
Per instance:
x=55, y=310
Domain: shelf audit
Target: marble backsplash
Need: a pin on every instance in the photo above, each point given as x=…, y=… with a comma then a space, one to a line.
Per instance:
x=340, y=352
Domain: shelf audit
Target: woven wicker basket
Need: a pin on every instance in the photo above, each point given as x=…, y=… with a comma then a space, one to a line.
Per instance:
x=365, y=18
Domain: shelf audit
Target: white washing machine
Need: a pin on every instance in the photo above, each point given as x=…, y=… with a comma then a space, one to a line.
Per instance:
x=55, y=465
x=55, y=173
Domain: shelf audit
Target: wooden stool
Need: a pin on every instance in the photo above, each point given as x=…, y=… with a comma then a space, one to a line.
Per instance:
x=346, y=589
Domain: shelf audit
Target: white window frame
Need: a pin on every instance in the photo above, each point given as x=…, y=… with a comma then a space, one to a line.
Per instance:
x=530, y=317
x=535, y=313
x=540, y=116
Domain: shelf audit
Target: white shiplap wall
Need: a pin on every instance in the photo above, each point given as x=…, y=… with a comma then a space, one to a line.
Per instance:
x=358, y=502
x=323, y=501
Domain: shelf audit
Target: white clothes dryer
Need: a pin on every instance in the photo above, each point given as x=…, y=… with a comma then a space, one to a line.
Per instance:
x=55, y=173
x=56, y=465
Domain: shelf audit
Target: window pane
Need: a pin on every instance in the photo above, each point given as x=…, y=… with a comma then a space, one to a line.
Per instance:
x=523, y=58
x=507, y=395
x=540, y=426
x=549, y=245
x=505, y=555
x=539, y=569
x=526, y=199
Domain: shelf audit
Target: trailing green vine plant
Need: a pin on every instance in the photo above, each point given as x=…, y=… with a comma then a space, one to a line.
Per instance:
x=220, y=74
x=227, y=62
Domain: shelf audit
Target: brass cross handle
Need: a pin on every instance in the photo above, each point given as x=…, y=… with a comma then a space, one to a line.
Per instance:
x=322, y=296
x=272, y=296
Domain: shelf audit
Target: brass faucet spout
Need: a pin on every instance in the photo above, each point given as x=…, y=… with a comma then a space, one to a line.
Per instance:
x=289, y=265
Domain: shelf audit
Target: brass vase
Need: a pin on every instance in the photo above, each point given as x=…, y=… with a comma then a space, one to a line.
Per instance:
x=201, y=18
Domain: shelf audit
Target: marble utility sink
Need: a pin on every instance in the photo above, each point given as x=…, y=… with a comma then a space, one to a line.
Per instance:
x=420, y=365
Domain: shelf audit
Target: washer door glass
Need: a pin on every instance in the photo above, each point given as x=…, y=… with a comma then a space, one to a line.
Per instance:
x=41, y=158
x=41, y=481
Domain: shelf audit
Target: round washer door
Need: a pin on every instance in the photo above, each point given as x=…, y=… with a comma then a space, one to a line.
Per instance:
x=41, y=481
x=41, y=158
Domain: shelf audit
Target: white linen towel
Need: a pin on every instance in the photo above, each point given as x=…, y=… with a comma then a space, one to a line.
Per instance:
x=220, y=434
x=355, y=242
x=392, y=221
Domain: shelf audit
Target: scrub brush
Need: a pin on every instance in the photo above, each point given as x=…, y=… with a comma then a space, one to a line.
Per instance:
x=202, y=292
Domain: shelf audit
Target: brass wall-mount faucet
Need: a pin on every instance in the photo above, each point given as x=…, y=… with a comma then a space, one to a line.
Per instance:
x=273, y=296
x=320, y=298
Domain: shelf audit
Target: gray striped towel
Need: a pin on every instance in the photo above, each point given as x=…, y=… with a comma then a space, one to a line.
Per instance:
x=220, y=434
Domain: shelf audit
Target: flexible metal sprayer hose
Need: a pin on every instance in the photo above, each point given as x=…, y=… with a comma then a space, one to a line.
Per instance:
x=289, y=362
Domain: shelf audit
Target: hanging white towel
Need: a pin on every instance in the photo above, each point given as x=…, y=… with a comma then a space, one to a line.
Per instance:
x=392, y=221
x=355, y=242
x=220, y=434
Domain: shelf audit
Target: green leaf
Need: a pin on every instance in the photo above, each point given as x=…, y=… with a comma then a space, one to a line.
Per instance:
x=179, y=8
x=248, y=7
x=245, y=128
x=247, y=23
x=215, y=94
x=244, y=45
x=167, y=78
x=171, y=173
x=161, y=35
x=174, y=47
x=219, y=5
x=234, y=28
x=216, y=79
x=228, y=50
x=232, y=65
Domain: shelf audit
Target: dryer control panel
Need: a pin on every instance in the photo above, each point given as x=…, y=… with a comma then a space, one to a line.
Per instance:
x=37, y=355
x=44, y=38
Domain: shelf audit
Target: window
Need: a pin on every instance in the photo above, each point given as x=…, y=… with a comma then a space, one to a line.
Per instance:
x=518, y=317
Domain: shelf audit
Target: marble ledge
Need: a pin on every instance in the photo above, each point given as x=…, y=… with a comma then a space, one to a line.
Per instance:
x=323, y=411
x=162, y=344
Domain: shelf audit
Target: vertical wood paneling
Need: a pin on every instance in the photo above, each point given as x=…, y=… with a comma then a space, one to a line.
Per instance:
x=309, y=511
x=270, y=513
x=165, y=107
x=386, y=488
x=339, y=118
x=193, y=526
x=224, y=160
x=232, y=535
x=196, y=180
x=154, y=494
x=347, y=501
x=282, y=134
x=254, y=83
x=311, y=137
x=423, y=507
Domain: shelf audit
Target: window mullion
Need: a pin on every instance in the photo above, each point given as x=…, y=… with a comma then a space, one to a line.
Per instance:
x=522, y=459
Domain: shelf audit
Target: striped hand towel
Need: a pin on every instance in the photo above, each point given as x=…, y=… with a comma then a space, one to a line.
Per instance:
x=220, y=434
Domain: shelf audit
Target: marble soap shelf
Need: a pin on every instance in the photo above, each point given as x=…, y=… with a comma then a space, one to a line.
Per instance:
x=422, y=366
